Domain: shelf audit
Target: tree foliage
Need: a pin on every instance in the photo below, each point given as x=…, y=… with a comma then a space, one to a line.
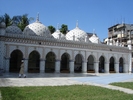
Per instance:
x=20, y=21
x=64, y=29
x=51, y=29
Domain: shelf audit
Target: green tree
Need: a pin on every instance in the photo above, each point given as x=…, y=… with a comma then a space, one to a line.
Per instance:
x=51, y=29
x=23, y=21
x=6, y=18
x=20, y=21
x=64, y=28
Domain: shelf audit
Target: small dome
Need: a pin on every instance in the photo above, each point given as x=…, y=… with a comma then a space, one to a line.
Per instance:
x=37, y=28
x=13, y=29
x=79, y=34
x=2, y=25
x=58, y=35
x=94, y=39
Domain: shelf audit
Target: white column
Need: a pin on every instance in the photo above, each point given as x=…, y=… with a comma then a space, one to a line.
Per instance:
x=130, y=55
x=106, y=67
x=125, y=68
x=71, y=66
x=42, y=65
x=130, y=62
x=84, y=67
x=26, y=65
x=7, y=64
x=117, y=67
x=57, y=66
x=96, y=67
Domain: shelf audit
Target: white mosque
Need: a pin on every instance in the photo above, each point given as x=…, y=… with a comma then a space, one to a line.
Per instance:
x=74, y=52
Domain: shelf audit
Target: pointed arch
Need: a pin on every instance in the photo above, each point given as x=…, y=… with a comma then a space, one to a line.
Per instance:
x=78, y=63
x=121, y=65
x=64, y=68
x=112, y=65
x=90, y=64
x=50, y=62
x=15, y=61
x=101, y=64
x=34, y=62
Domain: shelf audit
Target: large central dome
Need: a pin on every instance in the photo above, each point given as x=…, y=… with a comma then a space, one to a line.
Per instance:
x=37, y=28
x=77, y=34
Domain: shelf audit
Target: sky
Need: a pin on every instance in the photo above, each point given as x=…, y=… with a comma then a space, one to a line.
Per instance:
x=92, y=15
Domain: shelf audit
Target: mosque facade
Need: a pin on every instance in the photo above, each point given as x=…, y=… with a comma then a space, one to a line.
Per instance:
x=74, y=52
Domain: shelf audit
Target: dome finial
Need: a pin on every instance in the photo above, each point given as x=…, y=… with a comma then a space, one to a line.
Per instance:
x=37, y=19
x=57, y=26
x=77, y=23
x=93, y=31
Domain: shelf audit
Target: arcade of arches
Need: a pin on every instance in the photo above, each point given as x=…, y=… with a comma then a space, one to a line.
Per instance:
x=64, y=64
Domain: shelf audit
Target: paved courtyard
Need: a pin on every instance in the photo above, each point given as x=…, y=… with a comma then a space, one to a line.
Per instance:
x=43, y=79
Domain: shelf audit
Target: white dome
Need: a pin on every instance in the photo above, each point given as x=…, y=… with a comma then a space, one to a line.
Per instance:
x=13, y=29
x=79, y=34
x=58, y=35
x=94, y=39
x=37, y=28
x=2, y=25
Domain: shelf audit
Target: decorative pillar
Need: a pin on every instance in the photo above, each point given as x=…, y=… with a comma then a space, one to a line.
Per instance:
x=117, y=67
x=129, y=42
x=106, y=67
x=26, y=65
x=125, y=68
x=57, y=66
x=71, y=66
x=84, y=67
x=42, y=65
x=96, y=67
x=7, y=61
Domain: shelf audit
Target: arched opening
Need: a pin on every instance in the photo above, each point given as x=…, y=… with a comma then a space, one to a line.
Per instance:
x=111, y=65
x=101, y=64
x=34, y=62
x=50, y=63
x=64, y=63
x=90, y=64
x=78, y=64
x=15, y=61
x=121, y=65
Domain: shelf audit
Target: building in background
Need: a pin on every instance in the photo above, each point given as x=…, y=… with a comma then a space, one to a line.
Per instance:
x=119, y=35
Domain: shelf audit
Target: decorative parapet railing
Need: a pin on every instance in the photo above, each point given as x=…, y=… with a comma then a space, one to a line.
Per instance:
x=39, y=40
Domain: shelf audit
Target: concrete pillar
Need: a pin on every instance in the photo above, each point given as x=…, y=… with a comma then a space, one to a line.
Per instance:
x=84, y=67
x=71, y=66
x=57, y=66
x=26, y=65
x=125, y=68
x=42, y=65
x=106, y=67
x=117, y=67
x=129, y=42
x=7, y=64
x=96, y=67
x=130, y=63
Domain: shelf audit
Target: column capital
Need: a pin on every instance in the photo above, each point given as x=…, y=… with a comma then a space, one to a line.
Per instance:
x=107, y=62
x=96, y=61
x=116, y=62
x=7, y=57
x=25, y=59
x=57, y=60
x=41, y=59
x=71, y=60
